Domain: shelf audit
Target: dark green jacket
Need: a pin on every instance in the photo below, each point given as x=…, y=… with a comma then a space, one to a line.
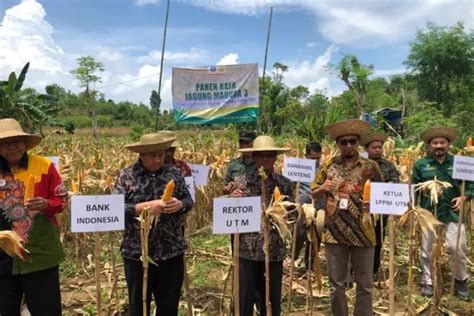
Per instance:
x=389, y=171
x=428, y=168
x=237, y=167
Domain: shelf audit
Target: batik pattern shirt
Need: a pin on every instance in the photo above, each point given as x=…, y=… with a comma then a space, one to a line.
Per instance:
x=39, y=231
x=166, y=239
x=344, y=226
x=427, y=169
x=251, y=244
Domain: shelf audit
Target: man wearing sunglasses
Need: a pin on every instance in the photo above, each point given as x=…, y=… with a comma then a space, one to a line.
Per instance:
x=349, y=232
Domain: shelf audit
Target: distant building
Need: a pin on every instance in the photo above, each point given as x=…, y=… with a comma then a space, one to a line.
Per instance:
x=387, y=118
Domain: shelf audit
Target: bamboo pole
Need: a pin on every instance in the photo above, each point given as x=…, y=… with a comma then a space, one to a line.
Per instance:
x=266, y=241
x=293, y=253
x=391, y=266
x=309, y=290
x=161, y=64
x=236, y=275
x=458, y=237
x=144, y=229
x=97, y=273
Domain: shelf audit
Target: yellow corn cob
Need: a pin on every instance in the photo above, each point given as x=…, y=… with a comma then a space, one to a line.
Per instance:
x=168, y=193
x=29, y=187
x=366, y=192
x=276, y=194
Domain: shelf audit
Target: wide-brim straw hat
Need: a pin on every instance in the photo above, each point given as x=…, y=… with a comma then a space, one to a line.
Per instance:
x=150, y=143
x=264, y=143
x=347, y=127
x=377, y=137
x=10, y=128
x=168, y=134
x=446, y=132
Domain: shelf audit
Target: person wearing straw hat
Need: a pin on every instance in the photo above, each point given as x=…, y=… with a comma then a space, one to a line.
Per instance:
x=31, y=194
x=251, y=256
x=170, y=152
x=439, y=164
x=373, y=144
x=143, y=184
x=349, y=232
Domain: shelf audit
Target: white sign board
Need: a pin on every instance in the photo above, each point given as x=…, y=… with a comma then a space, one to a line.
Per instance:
x=388, y=198
x=55, y=161
x=463, y=168
x=299, y=170
x=236, y=215
x=200, y=174
x=97, y=213
x=190, y=187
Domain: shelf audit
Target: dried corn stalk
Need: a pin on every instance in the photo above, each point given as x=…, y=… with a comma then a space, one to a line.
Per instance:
x=434, y=188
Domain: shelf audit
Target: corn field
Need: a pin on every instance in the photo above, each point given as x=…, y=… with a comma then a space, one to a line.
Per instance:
x=90, y=167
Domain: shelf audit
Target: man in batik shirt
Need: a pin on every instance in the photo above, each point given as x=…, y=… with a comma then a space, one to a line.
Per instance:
x=251, y=255
x=143, y=184
x=349, y=232
x=373, y=144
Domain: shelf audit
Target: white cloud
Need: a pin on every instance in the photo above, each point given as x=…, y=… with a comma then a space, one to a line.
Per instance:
x=229, y=59
x=145, y=2
x=359, y=22
x=194, y=54
x=311, y=44
x=312, y=74
x=388, y=72
x=109, y=55
x=26, y=36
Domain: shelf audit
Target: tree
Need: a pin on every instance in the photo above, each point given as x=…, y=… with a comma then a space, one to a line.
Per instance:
x=155, y=101
x=87, y=73
x=441, y=59
x=31, y=109
x=356, y=77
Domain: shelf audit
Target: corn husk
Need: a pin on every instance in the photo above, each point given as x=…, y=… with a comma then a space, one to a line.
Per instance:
x=434, y=188
x=423, y=219
x=10, y=243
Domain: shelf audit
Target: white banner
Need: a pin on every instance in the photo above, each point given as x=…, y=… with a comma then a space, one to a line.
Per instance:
x=200, y=174
x=236, y=215
x=389, y=198
x=191, y=188
x=299, y=170
x=463, y=168
x=215, y=94
x=97, y=213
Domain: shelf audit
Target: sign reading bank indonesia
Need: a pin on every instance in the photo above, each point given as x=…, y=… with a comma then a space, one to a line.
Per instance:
x=215, y=94
x=97, y=213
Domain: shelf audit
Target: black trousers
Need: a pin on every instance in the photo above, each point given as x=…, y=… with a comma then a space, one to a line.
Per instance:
x=41, y=289
x=252, y=286
x=379, y=241
x=164, y=282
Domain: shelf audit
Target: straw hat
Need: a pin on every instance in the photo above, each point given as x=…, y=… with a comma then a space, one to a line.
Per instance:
x=264, y=143
x=11, y=128
x=168, y=134
x=347, y=127
x=377, y=137
x=150, y=143
x=446, y=132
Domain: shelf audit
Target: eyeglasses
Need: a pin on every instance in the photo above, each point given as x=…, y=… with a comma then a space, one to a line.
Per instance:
x=351, y=141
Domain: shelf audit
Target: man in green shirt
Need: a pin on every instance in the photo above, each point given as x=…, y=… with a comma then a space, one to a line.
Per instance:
x=242, y=165
x=439, y=164
x=373, y=144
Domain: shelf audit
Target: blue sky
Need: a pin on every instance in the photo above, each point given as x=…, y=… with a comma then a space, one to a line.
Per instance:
x=126, y=35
